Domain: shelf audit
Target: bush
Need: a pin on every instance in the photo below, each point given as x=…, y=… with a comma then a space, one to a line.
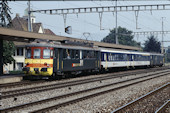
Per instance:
x=15, y=72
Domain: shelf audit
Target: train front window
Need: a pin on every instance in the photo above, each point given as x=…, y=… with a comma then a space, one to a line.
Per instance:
x=28, y=53
x=37, y=53
x=46, y=53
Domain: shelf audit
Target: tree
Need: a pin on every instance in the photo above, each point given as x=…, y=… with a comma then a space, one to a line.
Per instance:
x=125, y=37
x=8, y=51
x=152, y=45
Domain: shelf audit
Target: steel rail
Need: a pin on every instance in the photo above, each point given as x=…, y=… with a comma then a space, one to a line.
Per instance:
x=7, y=85
x=128, y=105
x=25, y=82
x=20, y=92
x=35, y=82
x=75, y=81
x=163, y=107
x=79, y=92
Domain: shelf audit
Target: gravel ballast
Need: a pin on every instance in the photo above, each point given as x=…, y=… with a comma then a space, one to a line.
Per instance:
x=109, y=102
x=8, y=102
x=103, y=103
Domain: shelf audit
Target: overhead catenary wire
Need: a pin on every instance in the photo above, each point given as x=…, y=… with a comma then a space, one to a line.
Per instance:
x=120, y=19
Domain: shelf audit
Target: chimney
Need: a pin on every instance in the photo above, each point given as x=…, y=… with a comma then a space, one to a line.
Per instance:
x=17, y=14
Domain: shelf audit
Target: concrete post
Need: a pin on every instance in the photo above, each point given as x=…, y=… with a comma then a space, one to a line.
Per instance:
x=1, y=57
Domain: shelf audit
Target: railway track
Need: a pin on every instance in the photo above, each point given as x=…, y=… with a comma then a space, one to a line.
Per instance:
x=20, y=92
x=81, y=95
x=164, y=108
x=145, y=101
x=26, y=82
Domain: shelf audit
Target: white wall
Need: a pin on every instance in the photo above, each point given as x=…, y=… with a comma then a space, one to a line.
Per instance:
x=18, y=59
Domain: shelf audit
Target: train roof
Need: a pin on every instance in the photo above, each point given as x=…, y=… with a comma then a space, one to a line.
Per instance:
x=157, y=54
x=128, y=52
x=61, y=45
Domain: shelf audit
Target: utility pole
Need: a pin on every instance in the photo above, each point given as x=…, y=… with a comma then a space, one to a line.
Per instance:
x=162, y=50
x=116, y=34
x=29, y=17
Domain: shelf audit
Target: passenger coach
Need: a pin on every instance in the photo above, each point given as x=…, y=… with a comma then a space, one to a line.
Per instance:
x=121, y=58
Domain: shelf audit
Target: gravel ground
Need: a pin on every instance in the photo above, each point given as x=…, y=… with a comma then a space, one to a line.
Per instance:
x=109, y=102
x=152, y=103
x=8, y=102
x=92, y=105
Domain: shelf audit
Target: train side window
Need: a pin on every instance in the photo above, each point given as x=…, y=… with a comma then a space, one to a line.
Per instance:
x=51, y=53
x=84, y=54
x=66, y=53
x=46, y=53
x=121, y=57
x=124, y=56
x=91, y=54
x=113, y=57
x=87, y=54
x=95, y=54
x=73, y=54
x=81, y=55
x=77, y=54
x=37, y=53
x=105, y=56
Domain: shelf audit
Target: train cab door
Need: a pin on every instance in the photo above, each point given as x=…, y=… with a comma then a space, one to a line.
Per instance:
x=81, y=58
x=56, y=60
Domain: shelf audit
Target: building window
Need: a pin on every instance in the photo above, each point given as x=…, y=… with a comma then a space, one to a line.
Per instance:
x=28, y=53
x=20, y=52
x=19, y=66
x=14, y=65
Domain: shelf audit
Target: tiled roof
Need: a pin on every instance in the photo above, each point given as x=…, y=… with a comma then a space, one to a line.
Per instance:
x=21, y=24
x=48, y=31
x=36, y=27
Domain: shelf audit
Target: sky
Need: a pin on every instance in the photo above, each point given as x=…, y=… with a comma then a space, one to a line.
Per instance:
x=89, y=23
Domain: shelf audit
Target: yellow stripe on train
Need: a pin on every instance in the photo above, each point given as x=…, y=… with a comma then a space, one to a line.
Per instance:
x=39, y=64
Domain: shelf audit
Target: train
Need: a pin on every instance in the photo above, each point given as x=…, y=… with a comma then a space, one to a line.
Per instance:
x=51, y=59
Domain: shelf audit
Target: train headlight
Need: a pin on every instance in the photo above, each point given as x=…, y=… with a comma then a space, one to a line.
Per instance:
x=27, y=64
x=46, y=64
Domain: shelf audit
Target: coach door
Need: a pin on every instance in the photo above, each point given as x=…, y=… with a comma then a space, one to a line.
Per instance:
x=128, y=60
x=133, y=61
x=105, y=59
